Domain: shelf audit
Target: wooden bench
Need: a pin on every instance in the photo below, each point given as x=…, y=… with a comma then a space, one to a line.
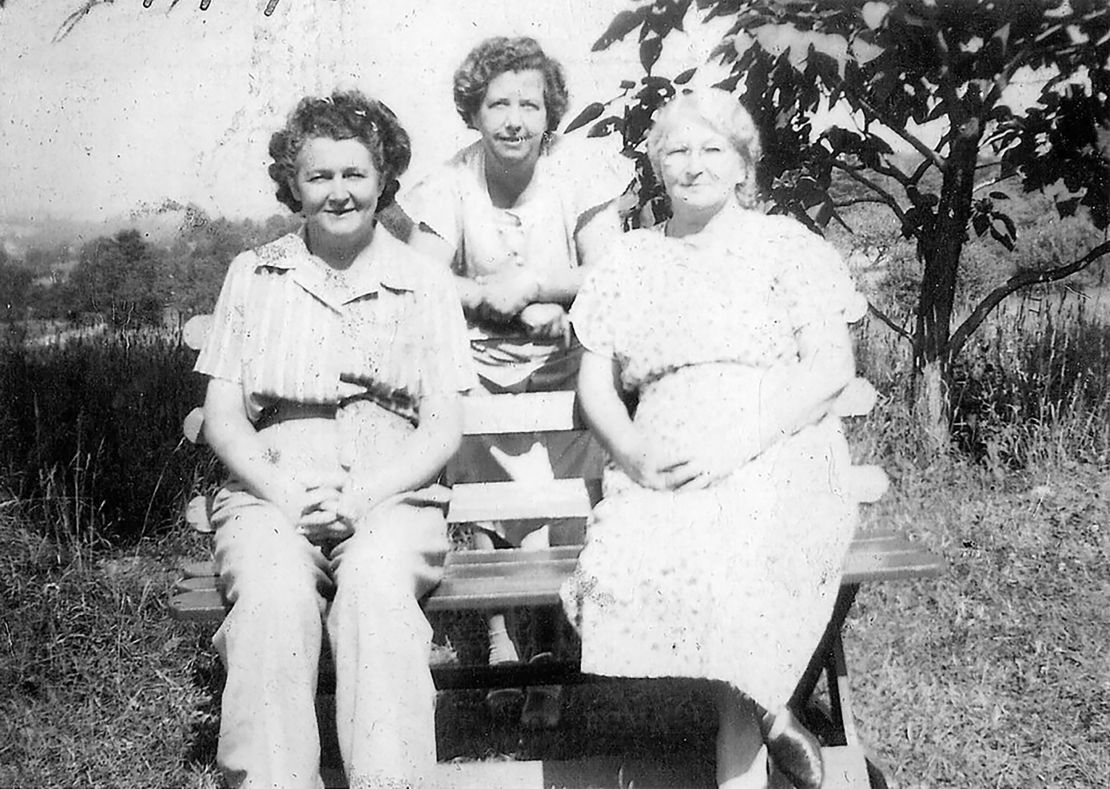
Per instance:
x=487, y=580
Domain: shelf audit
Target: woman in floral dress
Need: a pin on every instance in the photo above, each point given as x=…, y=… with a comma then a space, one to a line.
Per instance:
x=730, y=499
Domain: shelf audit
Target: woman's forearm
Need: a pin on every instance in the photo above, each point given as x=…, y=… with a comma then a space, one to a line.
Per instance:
x=604, y=410
x=236, y=443
x=793, y=396
x=558, y=287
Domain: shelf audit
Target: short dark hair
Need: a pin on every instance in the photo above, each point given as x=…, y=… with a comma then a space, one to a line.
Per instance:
x=495, y=56
x=344, y=115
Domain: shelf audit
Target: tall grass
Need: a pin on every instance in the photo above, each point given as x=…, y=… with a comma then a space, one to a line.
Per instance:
x=1031, y=388
x=90, y=433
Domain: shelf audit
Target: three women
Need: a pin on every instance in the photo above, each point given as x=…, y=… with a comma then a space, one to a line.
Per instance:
x=335, y=364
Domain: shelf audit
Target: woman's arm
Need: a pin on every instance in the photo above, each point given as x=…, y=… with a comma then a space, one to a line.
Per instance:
x=607, y=415
x=796, y=395
x=306, y=503
x=417, y=463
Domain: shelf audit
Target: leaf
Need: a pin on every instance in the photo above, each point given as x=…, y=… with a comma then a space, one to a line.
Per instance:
x=606, y=126
x=623, y=24
x=1000, y=195
x=1067, y=207
x=590, y=113
x=1002, y=238
x=685, y=76
x=650, y=50
x=981, y=223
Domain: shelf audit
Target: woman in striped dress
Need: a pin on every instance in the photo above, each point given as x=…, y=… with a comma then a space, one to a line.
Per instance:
x=334, y=363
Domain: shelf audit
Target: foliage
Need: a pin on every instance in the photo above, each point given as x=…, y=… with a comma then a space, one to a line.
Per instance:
x=15, y=285
x=898, y=67
x=130, y=279
x=115, y=277
x=90, y=432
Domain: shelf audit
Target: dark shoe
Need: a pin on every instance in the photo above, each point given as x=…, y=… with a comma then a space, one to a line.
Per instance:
x=503, y=703
x=794, y=751
x=543, y=704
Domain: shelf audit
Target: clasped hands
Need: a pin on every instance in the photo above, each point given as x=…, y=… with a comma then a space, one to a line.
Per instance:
x=511, y=295
x=324, y=506
x=327, y=507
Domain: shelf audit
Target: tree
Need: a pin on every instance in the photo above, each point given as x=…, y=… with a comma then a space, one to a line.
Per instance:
x=115, y=277
x=15, y=288
x=899, y=66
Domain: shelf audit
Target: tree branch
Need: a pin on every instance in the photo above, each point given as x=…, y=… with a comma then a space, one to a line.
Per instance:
x=886, y=196
x=900, y=130
x=858, y=200
x=890, y=324
x=1021, y=279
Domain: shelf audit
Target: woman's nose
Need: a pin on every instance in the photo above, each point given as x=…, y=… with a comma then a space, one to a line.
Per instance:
x=339, y=191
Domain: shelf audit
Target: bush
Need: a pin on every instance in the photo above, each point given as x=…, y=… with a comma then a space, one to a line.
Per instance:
x=90, y=432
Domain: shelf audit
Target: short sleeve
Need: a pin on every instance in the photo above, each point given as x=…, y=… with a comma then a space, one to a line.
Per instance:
x=599, y=314
x=816, y=281
x=445, y=366
x=434, y=203
x=222, y=354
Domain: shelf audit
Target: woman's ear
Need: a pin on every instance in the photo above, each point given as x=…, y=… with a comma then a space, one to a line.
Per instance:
x=292, y=184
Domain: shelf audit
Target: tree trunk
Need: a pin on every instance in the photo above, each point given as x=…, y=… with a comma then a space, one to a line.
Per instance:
x=939, y=247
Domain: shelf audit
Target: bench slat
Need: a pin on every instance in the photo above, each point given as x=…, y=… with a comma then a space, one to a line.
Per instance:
x=532, y=412
x=490, y=580
x=494, y=501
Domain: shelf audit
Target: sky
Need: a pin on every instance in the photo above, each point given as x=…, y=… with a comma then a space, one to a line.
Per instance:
x=138, y=106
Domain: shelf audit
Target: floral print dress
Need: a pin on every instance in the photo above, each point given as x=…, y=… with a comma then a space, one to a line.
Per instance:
x=735, y=582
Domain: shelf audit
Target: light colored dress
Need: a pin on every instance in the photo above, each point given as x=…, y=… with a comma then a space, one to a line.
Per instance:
x=735, y=582
x=538, y=232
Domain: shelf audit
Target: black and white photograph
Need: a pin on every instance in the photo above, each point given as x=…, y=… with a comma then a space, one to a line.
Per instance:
x=554, y=394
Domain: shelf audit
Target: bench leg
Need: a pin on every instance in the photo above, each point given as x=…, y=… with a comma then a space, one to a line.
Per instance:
x=829, y=726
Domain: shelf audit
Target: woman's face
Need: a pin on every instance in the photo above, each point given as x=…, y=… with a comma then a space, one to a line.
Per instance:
x=512, y=117
x=700, y=168
x=338, y=186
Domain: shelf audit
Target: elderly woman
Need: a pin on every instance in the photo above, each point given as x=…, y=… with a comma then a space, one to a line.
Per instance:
x=335, y=361
x=728, y=503
x=516, y=215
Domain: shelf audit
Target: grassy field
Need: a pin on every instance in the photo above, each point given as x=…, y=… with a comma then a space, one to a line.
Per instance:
x=995, y=675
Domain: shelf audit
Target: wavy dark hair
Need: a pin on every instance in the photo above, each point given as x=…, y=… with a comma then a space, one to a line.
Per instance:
x=495, y=56
x=344, y=115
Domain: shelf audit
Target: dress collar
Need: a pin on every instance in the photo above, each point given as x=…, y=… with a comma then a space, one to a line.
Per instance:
x=383, y=263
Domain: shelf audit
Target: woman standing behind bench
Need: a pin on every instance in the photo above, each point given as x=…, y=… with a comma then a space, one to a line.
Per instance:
x=515, y=215
x=335, y=361
x=728, y=508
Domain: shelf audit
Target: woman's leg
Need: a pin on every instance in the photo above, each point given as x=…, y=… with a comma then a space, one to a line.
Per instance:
x=381, y=640
x=741, y=757
x=270, y=645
